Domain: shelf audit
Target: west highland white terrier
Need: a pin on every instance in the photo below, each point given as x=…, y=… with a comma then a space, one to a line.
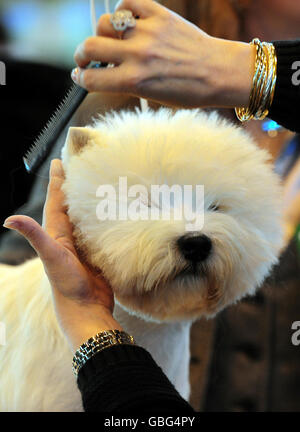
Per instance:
x=165, y=272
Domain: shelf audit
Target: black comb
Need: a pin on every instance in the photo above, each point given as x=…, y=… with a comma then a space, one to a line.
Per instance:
x=44, y=143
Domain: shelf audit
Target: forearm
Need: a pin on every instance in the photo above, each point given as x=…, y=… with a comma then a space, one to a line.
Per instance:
x=126, y=379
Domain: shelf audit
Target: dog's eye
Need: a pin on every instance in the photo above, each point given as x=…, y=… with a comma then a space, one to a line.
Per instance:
x=214, y=207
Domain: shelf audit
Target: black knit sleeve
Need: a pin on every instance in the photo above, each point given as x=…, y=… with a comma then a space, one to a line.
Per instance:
x=285, y=109
x=125, y=378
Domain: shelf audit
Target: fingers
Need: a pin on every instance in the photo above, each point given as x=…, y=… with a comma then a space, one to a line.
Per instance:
x=109, y=49
x=55, y=200
x=142, y=8
x=56, y=219
x=100, y=49
x=105, y=28
x=57, y=224
x=113, y=80
x=57, y=171
x=43, y=244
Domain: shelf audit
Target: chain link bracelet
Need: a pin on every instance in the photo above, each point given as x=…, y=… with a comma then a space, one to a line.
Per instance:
x=98, y=343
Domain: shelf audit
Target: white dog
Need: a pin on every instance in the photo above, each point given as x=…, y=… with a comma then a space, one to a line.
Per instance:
x=163, y=275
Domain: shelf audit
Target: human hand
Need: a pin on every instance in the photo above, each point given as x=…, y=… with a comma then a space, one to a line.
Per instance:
x=167, y=59
x=83, y=300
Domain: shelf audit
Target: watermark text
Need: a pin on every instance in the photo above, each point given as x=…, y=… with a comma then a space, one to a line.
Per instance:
x=157, y=202
x=296, y=334
x=2, y=73
x=296, y=75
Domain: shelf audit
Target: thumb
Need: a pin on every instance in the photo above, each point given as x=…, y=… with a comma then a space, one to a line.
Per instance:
x=33, y=232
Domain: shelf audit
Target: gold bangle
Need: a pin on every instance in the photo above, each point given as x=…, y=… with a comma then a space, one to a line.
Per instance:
x=263, y=83
x=245, y=114
x=262, y=97
x=270, y=83
x=272, y=91
x=98, y=343
x=257, y=85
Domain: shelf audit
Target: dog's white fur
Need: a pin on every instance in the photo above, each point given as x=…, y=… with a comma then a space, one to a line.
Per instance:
x=158, y=295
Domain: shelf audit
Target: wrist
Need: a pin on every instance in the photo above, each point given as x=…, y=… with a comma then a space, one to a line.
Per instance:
x=82, y=322
x=231, y=72
x=80, y=333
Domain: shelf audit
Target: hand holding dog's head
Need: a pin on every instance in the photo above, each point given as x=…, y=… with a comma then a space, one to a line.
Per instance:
x=170, y=268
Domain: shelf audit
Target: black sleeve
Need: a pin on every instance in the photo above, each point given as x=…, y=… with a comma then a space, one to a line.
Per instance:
x=125, y=378
x=285, y=108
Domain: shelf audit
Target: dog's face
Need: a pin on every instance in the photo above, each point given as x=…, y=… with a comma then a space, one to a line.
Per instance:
x=158, y=268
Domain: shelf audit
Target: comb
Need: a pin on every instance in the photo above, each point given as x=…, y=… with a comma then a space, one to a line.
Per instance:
x=42, y=146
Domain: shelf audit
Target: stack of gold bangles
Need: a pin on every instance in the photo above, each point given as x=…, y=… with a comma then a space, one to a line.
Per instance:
x=264, y=80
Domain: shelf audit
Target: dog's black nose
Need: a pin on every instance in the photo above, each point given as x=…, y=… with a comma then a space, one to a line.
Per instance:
x=194, y=248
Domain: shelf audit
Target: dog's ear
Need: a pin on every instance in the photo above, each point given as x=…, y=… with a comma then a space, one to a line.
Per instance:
x=77, y=139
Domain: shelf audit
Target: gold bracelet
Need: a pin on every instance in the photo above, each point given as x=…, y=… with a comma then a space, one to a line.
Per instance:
x=258, y=81
x=270, y=83
x=98, y=343
x=263, y=83
x=274, y=66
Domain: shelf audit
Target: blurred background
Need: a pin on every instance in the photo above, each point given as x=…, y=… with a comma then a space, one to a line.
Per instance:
x=47, y=31
x=244, y=359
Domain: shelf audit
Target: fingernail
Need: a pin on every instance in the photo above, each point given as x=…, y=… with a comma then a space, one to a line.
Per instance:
x=11, y=224
x=75, y=75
